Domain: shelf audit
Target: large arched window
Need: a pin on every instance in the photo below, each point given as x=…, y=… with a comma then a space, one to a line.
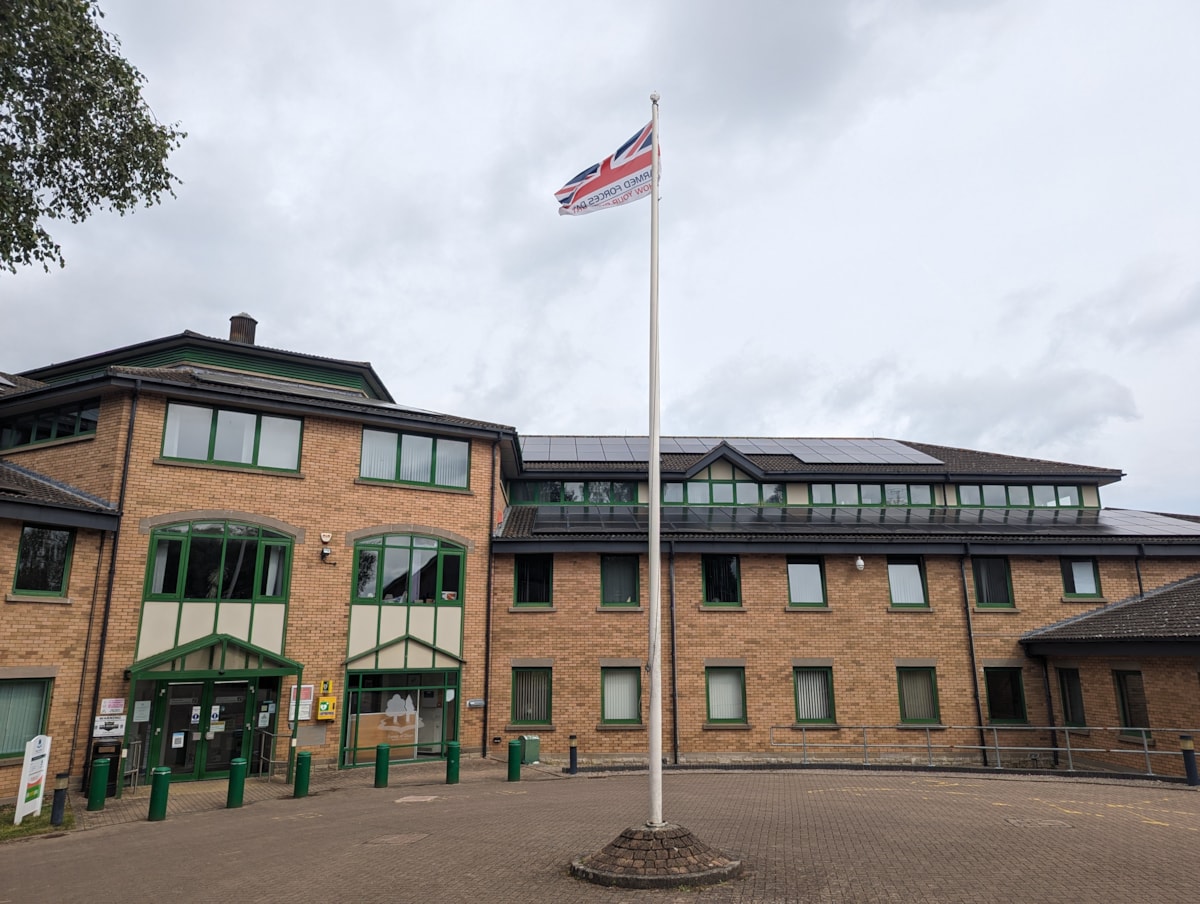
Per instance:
x=404, y=568
x=218, y=560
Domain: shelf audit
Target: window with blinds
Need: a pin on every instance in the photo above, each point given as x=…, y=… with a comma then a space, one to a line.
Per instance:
x=531, y=696
x=918, y=694
x=814, y=694
x=726, y=694
x=621, y=695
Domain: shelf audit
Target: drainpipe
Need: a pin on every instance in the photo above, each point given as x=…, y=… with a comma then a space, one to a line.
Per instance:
x=1137, y=567
x=87, y=650
x=1049, y=707
x=487, y=625
x=112, y=561
x=674, y=658
x=962, y=568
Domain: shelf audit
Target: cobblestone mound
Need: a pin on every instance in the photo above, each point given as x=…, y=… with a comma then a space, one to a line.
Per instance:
x=666, y=856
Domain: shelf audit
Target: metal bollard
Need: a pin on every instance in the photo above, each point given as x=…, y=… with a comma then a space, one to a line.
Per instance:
x=160, y=785
x=452, y=758
x=98, y=785
x=237, y=783
x=383, y=755
x=303, y=772
x=62, y=781
x=514, y=760
x=1187, y=746
x=573, y=768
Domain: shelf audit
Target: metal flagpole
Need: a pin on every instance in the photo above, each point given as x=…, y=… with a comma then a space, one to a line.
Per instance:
x=654, y=658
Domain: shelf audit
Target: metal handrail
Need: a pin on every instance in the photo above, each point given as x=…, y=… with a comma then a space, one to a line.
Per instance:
x=876, y=748
x=265, y=753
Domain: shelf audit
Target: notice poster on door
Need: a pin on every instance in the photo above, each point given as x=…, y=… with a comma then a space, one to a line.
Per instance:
x=306, y=703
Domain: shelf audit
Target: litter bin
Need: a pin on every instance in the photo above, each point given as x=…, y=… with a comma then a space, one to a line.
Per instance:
x=531, y=749
x=110, y=748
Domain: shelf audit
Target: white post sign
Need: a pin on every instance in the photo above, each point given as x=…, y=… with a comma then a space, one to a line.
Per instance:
x=33, y=779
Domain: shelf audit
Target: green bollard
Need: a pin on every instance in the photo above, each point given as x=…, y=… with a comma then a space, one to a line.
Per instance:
x=452, y=757
x=160, y=784
x=98, y=785
x=303, y=771
x=237, y=783
x=514, y=760
x=383, y=754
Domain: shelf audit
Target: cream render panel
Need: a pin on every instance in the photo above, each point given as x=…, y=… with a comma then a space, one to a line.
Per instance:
x=364, y=628
x=234, y=619
x=268, y=627
x=449, y=630
x=158, y=628
x=196, y=620
x=421, y=623
x=393, y=623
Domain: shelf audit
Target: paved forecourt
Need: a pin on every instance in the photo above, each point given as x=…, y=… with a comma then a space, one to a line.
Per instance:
x=805, y=835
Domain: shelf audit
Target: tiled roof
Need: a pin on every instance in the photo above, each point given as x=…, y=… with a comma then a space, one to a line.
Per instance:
x=1170, y=613
x=15, y=383
x=18, y=484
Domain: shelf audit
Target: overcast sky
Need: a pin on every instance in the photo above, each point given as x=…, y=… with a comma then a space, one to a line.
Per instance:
x=975, y=224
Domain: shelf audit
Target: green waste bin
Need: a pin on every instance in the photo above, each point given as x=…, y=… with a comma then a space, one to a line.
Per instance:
x=531, y=749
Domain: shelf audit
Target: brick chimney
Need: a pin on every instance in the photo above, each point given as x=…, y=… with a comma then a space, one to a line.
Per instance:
x=241, y=328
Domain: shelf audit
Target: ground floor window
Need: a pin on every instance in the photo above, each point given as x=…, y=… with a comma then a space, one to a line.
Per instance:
x=1005, y=695
x=1131, y=702
x=621, y=695
x=726, y=694
x=918, y=694
x=814, y=694
x=414, y=712
x=23, y=706
x=1071, y=690
x=531, y=696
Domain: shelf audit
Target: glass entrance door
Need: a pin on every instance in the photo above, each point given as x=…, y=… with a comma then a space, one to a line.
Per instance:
x=204, y=727
x=180, y=734
x=226, y=737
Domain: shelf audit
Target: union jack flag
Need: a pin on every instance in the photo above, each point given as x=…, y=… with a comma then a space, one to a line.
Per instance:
x=615, y=180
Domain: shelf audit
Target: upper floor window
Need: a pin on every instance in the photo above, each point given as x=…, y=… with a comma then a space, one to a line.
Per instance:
x=729, y=491
x=619, y=580
x=208, y=560
x=225, y=436
x=574, y=492
x=402, y=568
x=43, y=561
x=995, y=495
x=75, y=419
x=906, y=579
x=534, y=579
x=806, y=581
x=1081, y=577
x=722, y=580
x=411, y=458
x=993, y=583
x=872, y=494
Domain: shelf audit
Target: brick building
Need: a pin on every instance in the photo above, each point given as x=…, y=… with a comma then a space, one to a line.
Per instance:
x=213, y=549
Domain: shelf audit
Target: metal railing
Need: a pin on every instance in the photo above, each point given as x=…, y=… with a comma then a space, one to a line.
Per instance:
x=264, y=753
x=1015, y=747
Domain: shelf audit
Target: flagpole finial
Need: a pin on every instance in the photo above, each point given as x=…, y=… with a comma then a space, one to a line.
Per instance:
x=654, y=98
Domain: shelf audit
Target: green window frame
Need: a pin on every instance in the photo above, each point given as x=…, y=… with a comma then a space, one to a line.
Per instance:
x=389, y=456
x=918, y=695
x=806, y=581
x=1021, y=495
x=49, y=424
x=533, y=579
x=233, y=437
x=724, y=492
x=398, y=569
x=532, y=696
x=872, y=495
x=621, y=695
x=1081, y=576
x=218, y=560
x=814, y=694
x=619, y=580
x=1005, y=689
x=721, y=577
x=1132, y=706
x=906, y=582
x=1070, y=689
x=44, y=561
x=24, y=709
x=573, y=492
x=725, y=694
x=993, y=582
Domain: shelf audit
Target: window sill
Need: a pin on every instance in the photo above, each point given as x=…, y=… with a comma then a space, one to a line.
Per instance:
x=23, y=598
x=795, y=608
x=921, y=726
x=1076, y=598
x=619, y=727
x=815, y=726
x=423, y=487
x=229, y=469
x=12, y=761
x=532, y=608
x=721, y=607
x=725, y=726
x=529, y=729
x=1135, y=741
x=612, y=608
x=1007, y=610
x=895, y=608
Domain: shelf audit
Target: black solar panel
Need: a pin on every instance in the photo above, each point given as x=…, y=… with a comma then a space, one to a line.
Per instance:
x=637, y=448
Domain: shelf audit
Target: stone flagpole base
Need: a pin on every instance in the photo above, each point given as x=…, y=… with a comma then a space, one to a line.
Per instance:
x=665, y=856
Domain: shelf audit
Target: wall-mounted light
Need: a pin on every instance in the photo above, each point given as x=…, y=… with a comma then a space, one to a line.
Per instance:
x=326, y=552
x=859, y=563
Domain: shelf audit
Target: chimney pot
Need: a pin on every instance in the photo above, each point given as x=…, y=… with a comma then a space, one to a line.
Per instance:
x=241, y=328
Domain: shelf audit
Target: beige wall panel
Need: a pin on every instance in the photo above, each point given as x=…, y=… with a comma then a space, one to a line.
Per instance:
x=721, y=470
x=158, y=628
x=268, y=627
x=420, y=623
x=419, y=656
x=393, y=623
x=364, y=622
x=449, y=629
x=392, y=657
x=364, y=662
x=441, y=661
x=234, y=619
x=196, y=620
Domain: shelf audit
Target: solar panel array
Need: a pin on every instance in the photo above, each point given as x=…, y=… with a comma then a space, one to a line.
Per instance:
x=575, y=519
x=637, y=448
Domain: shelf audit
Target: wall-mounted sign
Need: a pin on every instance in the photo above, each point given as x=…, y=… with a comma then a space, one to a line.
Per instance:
x=141, y=710
x=112, y=706
x=326, y=708
x=109, y=727
x=475, y=703
x=306, y=702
